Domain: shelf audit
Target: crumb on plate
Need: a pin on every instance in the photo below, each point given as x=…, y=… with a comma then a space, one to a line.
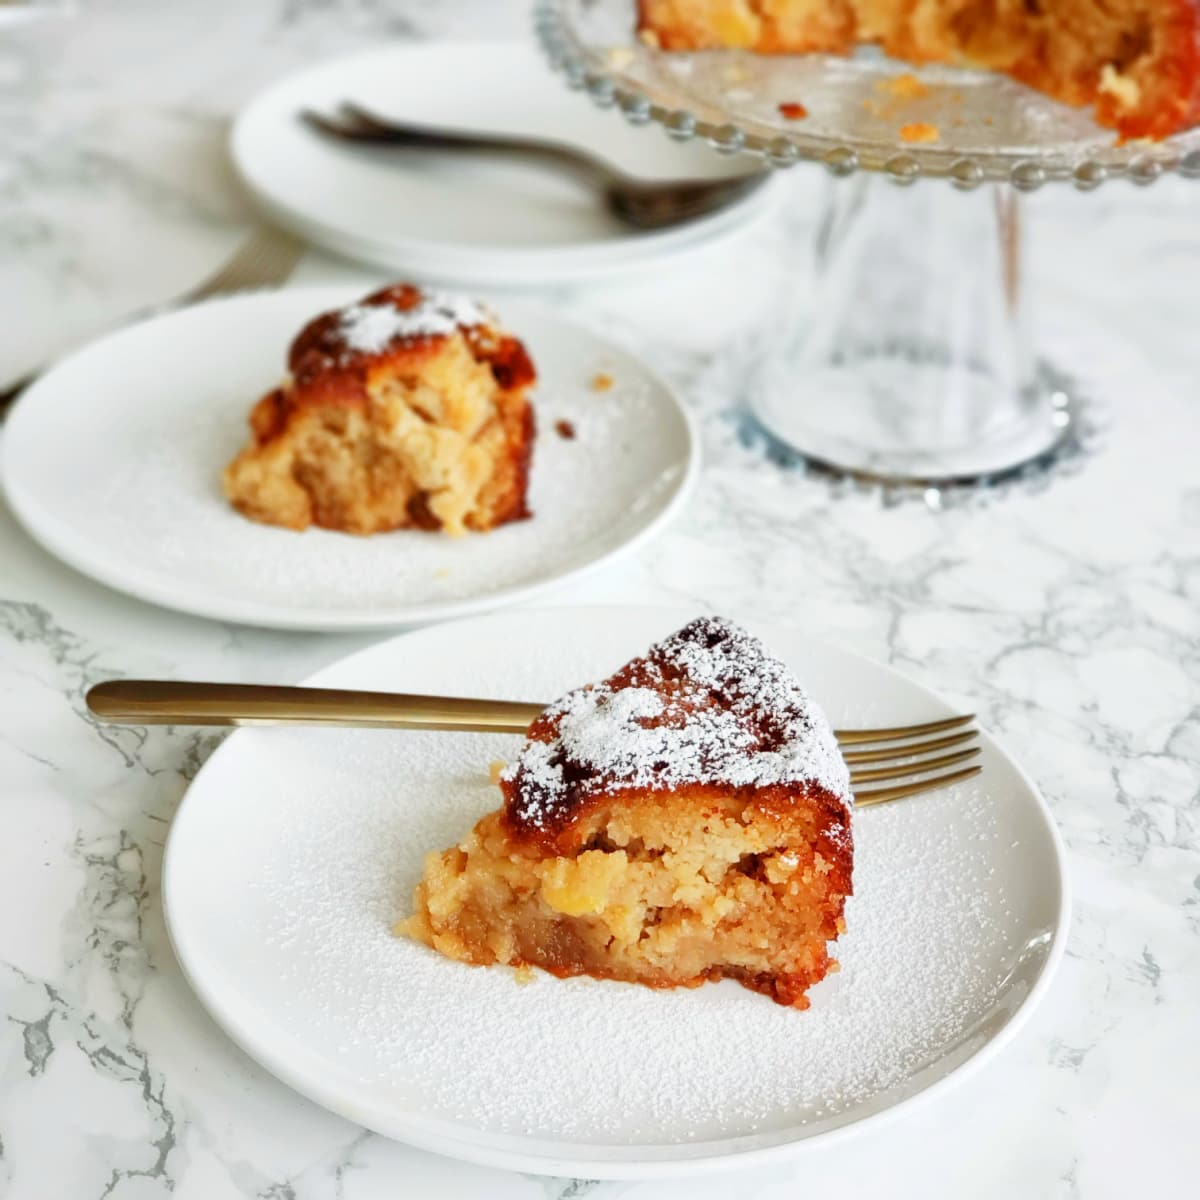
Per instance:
x=565, y=430
x=602, y=382
x=919, y=131
x=793, y=110
x=904, y=87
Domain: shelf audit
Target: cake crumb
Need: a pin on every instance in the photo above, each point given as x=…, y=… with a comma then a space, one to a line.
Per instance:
x=904, y=87
x=523, y=975
x=602, y=382
x=648, y=37
x=919, y=131
x=495, y=769
x=793, y=110
x=565, y=430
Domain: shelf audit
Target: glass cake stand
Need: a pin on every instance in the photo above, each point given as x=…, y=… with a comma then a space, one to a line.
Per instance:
x=914, y=364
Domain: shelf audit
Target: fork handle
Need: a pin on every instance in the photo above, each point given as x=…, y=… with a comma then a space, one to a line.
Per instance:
x=166, y=702
x=12, y=390
x=155, y=702
x=417, y=137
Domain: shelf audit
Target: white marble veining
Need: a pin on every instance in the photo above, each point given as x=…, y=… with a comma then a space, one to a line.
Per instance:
x=1067, y=616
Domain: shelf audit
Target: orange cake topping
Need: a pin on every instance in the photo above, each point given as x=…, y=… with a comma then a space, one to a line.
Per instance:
x=707, y=706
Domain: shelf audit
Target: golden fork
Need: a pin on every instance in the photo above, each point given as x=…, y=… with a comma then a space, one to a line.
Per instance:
x=889, y=752
x=639, y=203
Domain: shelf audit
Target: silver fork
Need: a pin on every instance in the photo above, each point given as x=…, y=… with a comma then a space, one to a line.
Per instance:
x=265, y=259
x=638, y=203
x=898, y=752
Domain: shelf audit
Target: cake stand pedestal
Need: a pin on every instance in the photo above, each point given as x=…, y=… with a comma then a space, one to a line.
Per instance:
x=915, y=364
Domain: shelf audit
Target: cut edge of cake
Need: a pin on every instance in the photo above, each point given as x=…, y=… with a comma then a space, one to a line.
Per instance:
x=1138, y=66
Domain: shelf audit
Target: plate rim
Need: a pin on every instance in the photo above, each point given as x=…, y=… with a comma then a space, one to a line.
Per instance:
x=670, y=1160
x=527, y=265
x=42, y=526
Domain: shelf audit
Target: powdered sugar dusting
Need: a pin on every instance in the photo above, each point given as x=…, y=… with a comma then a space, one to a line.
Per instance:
x=707, y=705
x=945, y=934
x=372, y=328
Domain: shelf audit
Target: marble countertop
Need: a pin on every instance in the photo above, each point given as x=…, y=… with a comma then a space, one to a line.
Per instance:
x=1066, y=615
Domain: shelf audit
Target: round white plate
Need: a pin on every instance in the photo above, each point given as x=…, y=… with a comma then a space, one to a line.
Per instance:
x=465, y=220
x=113, y=462
x=295, y=851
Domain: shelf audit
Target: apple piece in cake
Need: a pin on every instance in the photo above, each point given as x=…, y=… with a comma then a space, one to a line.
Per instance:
x=687, y=819
x=407, y=409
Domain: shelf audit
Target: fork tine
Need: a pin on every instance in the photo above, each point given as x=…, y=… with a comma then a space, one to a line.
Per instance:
x=892, y=752
x=354, y=114
x=874, y=796
x=869, y=774
x=264, y=259
x=323, y=123
x=850, y=737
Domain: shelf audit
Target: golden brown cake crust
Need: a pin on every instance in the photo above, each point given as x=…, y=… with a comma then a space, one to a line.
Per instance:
x=706, y=708
x=328, y=368
x=408, y=409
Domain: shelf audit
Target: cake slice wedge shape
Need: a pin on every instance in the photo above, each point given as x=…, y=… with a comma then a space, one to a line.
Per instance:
x=687, y=819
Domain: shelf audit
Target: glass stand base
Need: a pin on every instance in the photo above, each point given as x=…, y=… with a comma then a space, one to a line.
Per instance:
x=869, y=419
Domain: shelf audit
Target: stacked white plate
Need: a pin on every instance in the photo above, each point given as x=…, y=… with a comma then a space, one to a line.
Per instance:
x=466, y=219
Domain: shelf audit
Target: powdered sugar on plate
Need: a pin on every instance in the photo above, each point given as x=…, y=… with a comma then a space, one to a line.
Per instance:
x=948, y=931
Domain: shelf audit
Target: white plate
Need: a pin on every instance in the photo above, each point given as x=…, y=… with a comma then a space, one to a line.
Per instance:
x=294, y=851
x=113, y=462
x=465, y=221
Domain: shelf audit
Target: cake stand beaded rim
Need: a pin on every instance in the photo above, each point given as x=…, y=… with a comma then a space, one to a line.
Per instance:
x=585, y=69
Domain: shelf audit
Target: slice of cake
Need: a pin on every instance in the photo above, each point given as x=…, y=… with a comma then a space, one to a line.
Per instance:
x=408, y=409
x=1136, y=61
x=686, y=819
